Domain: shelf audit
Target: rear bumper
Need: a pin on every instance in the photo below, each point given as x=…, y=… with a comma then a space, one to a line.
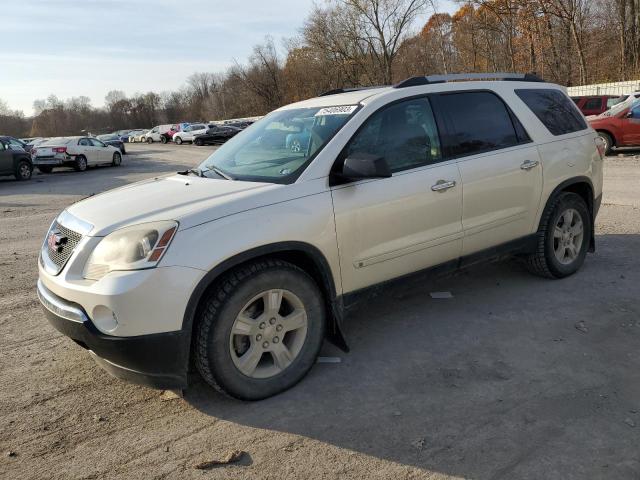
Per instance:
x=158, y=360
x=49, y=161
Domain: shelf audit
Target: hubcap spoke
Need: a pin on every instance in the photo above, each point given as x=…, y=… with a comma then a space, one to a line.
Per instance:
x=248, y=362
x=568, y=218
x=281, y=355
x=294, y=320
x=243, y=325
x=557, y=232
x=576, y=229
x=272, y=301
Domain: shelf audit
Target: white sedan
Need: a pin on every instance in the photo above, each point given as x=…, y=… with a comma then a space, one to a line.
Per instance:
x=76, y=152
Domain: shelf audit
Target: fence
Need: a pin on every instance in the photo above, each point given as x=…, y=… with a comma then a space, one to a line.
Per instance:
x=617, y=88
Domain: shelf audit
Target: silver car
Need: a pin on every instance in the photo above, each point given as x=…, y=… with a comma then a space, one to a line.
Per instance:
x=76, y=152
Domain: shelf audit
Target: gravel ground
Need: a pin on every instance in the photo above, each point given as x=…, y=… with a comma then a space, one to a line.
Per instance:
x=513, y=377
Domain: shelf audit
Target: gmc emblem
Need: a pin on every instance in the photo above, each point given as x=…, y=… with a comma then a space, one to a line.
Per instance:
x=56, y=241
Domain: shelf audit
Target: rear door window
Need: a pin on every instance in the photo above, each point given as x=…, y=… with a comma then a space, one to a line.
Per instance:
x=554, y=109
x=476, y=122
x=593, y=104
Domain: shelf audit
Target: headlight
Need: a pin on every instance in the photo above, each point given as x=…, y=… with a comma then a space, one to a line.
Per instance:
x=130, y=248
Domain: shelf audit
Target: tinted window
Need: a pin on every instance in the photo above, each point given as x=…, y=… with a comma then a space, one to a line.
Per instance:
x=96, y=142
x=84, y=142
x=477, y=122
x=592, y=104
x=554, y=109
x=404, y=133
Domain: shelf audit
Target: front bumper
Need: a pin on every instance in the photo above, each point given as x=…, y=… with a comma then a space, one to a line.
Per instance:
x=158, y=360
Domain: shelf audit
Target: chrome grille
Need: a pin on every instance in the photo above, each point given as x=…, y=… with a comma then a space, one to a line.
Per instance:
x=59, y=254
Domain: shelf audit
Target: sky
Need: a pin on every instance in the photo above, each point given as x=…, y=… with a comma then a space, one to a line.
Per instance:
x=71, y=48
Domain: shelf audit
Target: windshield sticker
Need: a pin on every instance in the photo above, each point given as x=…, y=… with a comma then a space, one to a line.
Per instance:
x=341, y=110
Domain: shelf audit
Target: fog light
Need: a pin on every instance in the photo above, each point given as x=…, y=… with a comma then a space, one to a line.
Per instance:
x=105, y=318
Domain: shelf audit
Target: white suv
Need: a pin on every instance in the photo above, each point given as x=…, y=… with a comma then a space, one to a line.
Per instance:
x=189, y=133
x=242, y=266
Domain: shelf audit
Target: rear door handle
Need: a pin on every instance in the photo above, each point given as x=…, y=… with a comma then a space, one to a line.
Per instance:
x=442, y=185
x=529, y=164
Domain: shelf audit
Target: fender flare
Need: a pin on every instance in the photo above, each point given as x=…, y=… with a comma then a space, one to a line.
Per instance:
x=592, y=203
x=333, y=303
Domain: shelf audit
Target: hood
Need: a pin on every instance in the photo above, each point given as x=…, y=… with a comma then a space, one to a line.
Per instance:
x=190, y=200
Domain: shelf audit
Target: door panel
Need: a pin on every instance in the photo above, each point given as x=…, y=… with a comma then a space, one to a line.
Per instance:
x=6, y=160
x=394, y=226
x=631, y=127
x=501, y=196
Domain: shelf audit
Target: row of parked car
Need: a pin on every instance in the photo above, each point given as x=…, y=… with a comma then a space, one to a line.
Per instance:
x=200, y=133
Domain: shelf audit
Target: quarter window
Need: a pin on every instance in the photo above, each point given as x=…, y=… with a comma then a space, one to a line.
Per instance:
x=477, y=122
x=554, y=109
x=404, y=133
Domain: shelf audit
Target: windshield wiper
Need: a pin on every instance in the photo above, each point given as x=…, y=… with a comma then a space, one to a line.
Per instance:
x=195, y=171
x=220, y=173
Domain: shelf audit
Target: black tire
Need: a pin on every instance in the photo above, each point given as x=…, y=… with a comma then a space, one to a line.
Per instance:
x=149, y=140
x=163, y=139
x=45, y=169
x=198, y=142
x=116, y=161
x=215, y=321
x=23, y=171
x=178, y=141
x=544, y=262
x=608, y=142
x=80, y=163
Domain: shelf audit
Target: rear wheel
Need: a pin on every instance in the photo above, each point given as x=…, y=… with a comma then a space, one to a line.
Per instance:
x=117, y=159
x=163, y=139
x=608, y=142
x=260, y=330
x=23, y=170
x=149, y=140
x=45, y=169
x=563, y=238
x=198, y=142
x=81, y=163
x=178, y=140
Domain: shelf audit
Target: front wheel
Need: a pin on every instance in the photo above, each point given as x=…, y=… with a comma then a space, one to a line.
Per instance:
x=149, y=140
x=163, y=139
x=81, y=163
x=198, y=142
x=116, y=161
x=563, y=238
x=23, y=170
x=260, y=331
x=178, y=141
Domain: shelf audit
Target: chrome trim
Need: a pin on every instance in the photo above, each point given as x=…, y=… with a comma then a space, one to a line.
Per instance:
x=60, y=307
x=74, y=223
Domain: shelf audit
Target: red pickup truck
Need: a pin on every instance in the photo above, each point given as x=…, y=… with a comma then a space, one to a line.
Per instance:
x=619, y=126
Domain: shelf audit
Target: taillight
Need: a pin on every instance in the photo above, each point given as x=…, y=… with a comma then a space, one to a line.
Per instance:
x=60, y=149
x=600, y=147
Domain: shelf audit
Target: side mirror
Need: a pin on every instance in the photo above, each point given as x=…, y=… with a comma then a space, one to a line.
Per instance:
x=360, y=166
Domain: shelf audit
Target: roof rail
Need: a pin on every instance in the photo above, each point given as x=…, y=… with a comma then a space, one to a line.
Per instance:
x=461, y=77
x=336, y=91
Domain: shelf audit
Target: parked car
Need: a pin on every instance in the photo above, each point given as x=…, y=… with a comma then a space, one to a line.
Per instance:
x=158, y=134
x=621, y=128
x=14, y=160
x=262, y=250
x=114, y=140
x=190, y=132
x=216, y=135
x=595, y=105
x=137, y=136
x=76, y=152
x=18, y=144
x=298, y=141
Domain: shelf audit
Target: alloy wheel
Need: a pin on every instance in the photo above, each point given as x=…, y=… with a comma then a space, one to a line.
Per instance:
x=568, y=235
x=268, y=333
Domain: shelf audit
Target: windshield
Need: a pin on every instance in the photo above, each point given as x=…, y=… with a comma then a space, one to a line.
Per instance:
x=280, y=146
x=619, y=107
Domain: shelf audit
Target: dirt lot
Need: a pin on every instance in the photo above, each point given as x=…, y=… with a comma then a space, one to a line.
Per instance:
x=513, y=377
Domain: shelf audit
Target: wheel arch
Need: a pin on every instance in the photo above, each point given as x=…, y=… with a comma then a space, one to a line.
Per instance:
x=610, y=133
x=583, y=187
x=303, y=255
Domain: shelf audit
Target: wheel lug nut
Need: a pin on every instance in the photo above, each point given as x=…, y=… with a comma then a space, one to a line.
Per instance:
x=279, y=328
x=265, y=344
x=276, y=339
x=258, y=337
x=272, y=321
x=262, y=325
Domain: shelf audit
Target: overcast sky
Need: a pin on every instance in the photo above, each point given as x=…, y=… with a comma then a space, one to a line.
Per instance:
x=88, y=47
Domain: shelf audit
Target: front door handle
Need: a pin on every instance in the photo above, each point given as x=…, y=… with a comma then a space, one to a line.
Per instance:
x=529, y=164
x=442, y=185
